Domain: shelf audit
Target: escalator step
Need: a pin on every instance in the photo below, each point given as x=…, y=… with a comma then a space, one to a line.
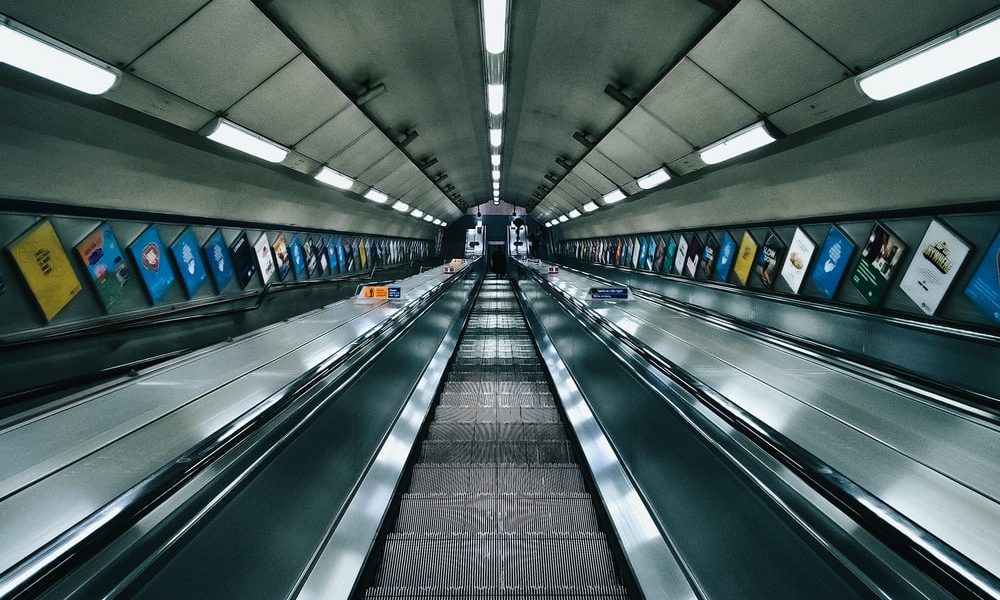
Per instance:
x=512, y=432
x=558, y=593
x=488, y=400
x=480, y=479
x=497, y=414
x=420, y=513
x=522, y=453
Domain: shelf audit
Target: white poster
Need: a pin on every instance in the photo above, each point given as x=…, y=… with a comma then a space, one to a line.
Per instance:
x=263, y=251
x=931, y=272
x=800, y=252
x=682, y=249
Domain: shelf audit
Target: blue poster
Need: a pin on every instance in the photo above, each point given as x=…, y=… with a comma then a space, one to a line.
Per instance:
x=341, y=257
x=642, y=253
x=150, y=257
x=984, y=287
x=832, y=262
x=189, y=262
x=105, y=263
x=726, y=253
x=219, y=263
x=298, y=259
x=331, y=253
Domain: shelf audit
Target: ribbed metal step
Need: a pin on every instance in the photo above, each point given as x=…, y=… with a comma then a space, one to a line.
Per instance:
x=437, y=513
x=498, y=452
x=497, y=414
x=488, y=400
x=512, y=432
x=501, y=479
x=561, y=593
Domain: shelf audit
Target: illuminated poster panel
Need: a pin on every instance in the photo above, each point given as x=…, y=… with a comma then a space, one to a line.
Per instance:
x=189, y=262
x=312, y=265
x=670, y=254
x=984, y=288
x=727, y=250
x=243, y=260
x=661, y=253
x=744, y=258
x=150, y=257
x=693, y=256
x=800, y=252
x=878, y=262
x=40, y=257
x=298, y=257
x=105, y=264
x=342, y=257
x=331, y=253
x=709, y=256
x=282, y=258
x=937, y=261
x=262, y=250
x=319, y=248
x=220, y=265
x=832, y=262
x=363, y=254
x=636, y=252
x=642, y=253
x=770, y=256
x=682, y=249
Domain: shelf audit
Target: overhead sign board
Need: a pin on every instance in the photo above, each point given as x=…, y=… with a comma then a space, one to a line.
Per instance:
x=375, y=293
x=610, y=293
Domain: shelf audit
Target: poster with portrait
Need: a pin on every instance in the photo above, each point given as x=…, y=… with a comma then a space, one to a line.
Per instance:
x=693, y=256
x=744, y=258
x=189, y=262
x=220, y=265
x=832, y=262
x=243, y=260
x=282, y=258
x=150, y=255
x=724, y=264
x=262, y=250
x=105, y=263
x=45, y=266
x=771, y=254
x=936, y=261
x=298, y=258
x=984, y=287
x=709, y=257
x=877, y=264
x=800, y=252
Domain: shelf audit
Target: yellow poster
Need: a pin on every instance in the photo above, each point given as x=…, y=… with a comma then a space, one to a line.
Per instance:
x=744, y=258
x=46, y=268
x=363, y=254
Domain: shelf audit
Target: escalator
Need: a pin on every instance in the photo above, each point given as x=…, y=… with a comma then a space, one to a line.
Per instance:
x=497, y=505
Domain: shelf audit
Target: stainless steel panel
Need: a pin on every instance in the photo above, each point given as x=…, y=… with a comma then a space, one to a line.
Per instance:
x=831, y=102
x=155, y=101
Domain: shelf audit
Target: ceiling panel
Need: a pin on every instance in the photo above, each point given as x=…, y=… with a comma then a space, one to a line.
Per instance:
x=291, y=103
x=764, y=59
x=115, y=31
x=383, y=167
x=145, y=97
x=628, y=155
x=607, y=167
x=218, y=56
x=401, y=179
x=330, y=138
x=584, y=191
x=823, y=105
x=594, y=178
x=862, y=33
x=654, y=136
x=363, y=153
x=696, y=106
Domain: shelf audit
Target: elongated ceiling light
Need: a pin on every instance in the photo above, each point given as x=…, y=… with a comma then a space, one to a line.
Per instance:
x=590, y=206
x=333, y=178
x=496, y=175
x=401, y=206
x=494, y=98
x=548, y=224
x=376, y=196
x=496, y=137
x=574, y=213
x=563, y=218
x=416, y=212
x=613, y=196
x=495, y=160
x=964, y=48
x=242, y=139
x=496, y=201
x=429, y=218
x=741, y=142
x=36, y=53
x=651, y=180
x=495, y=25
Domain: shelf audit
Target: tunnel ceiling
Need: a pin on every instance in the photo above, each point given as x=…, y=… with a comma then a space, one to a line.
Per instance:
x=689, y=72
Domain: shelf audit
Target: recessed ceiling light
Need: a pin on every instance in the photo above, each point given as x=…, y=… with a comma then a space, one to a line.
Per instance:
x=495, y=160
x=574, y=213
x=416, y=212
x=613, y=196
x=496, y=137
x=401, y=206
x=651, y=180
x=741, y=142
x=376, y=196
x=495, y=25
x=590, y=206
x=242, y=139
x=335, y=178
x=494, y=98
x=563, y=218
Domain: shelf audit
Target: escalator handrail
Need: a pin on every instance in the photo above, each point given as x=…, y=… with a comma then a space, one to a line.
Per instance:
x=36, y=571
x=944, y=564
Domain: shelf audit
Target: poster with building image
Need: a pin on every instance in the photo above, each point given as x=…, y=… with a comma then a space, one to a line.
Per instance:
x=800, y=252
x=105, y=263
x=936, y=261
x=45, y=266
x=262, y=250
x=877, y=264
x=724, y=264
x=150, y=255
x=832, y=262
x=189, y=262
x=984, y=287
x=772, y=252
x=679, y=258
x=744, y=258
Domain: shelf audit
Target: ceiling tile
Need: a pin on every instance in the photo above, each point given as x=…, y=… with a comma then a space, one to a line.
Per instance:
x=378, y=170
x=218, y=56
x=607, y=167
x=363, y=153
x=155, y=101
x=594, y=178
x=330, y=138
x=625, y=153
x=823, y=105
x=400, y=179
x=652, y=134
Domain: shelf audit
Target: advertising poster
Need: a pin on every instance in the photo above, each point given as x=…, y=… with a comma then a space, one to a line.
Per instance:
x=262, y=250
x=681, y=255
x=670, y=254
x=709, y=256
x=661, y=252
x=935, y=264
x=800, y=252
x=331, y=253
x=341, y=257
x=772, y=253
x=40, y=257
x=618, y=252
x=984, y=287
x=693, y=256
x=349, y=255
x=724, y=264
x=105, y=264
x=282, y=258
x=878, y=262
x=189, y=262
x=298, y=260
x=363, y=254
x=150, y=257
x=243, y=260
x=319, y=249
x=744, y=258
x=219, y=263
x=642, y=253
x=309, y=253
x=832, y=261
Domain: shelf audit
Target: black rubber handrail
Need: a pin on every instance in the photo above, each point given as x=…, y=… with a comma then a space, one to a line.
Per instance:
x=37, y=571
x=941, y=562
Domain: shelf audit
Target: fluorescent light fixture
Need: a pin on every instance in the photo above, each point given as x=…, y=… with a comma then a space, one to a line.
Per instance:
x=613, y=196
x=574, y=213
x=335, y=178
x=26, y=49
x=441, y=223
x=549, y=224
x=495, y=160
x=242, y=139
x=429, y=218
x=496, y=201
x=590, y=206
x=496, y=136
x=495, y=25
x=496, y=174
x=496, y=185
x=741, y=142
x=563, y=218
x=494, y=98
x=401, y=206
x=957, y=51
x=416, y=212
x=651, y=180
x=376, y=196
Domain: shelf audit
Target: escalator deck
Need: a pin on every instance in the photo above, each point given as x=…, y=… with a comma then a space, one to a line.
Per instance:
x=497, y=506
